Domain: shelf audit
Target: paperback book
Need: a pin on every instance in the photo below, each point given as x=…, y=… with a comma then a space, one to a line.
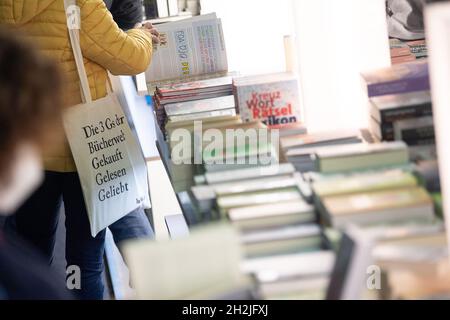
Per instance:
x=400, y=78
x=272, y=99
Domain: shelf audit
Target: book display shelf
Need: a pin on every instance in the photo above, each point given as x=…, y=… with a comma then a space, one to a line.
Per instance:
x=296, y=213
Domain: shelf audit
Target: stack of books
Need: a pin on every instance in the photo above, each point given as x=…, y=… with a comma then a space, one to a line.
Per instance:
x=267, y=206
x=289, y=210
x=300, y=149
x=407, y=51
x=195, y=153
x=404, y=260
x=371, y=198
x=300, y=276
x=400, y=107
x=183, y=98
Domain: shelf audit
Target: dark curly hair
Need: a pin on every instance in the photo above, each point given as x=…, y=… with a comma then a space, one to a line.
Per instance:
x=30, y=96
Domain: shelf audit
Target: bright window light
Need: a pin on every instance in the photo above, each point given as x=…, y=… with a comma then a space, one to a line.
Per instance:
x=336, y=41
x=254, y=32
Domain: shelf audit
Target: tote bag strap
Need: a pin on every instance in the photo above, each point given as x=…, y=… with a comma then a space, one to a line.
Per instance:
x=73, y=18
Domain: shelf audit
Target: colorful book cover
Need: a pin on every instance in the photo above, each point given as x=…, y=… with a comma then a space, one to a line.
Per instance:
x=272, y=99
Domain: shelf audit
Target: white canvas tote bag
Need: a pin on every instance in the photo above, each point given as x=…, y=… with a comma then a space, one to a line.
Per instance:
x=109, y=161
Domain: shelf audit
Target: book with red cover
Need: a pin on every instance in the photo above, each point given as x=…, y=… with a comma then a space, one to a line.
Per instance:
x=272, y=99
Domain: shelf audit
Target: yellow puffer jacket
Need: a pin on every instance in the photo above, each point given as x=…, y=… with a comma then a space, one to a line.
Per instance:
x=104, y=47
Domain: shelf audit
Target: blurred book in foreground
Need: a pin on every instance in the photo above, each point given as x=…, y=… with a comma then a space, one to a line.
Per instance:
x=202, y=266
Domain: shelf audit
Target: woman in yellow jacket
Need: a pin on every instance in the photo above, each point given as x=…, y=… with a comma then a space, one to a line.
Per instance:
x=105, y=47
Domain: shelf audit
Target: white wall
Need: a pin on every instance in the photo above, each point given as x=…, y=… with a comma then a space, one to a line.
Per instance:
x=254, y=31
x=337, y=40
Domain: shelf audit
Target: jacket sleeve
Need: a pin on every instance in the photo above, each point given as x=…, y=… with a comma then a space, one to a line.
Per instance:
x=102, y=41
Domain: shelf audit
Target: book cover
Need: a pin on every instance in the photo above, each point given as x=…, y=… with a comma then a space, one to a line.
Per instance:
x=190, y=47
x=278, y=210
x=389, y=179
x=390, y=108
x=403, y=59
x=326, y=138
x=258, y=198
x=362, y=157
x=204, y=85
x=190, y=97
x=197, y=106
x=376, y=201
x=201, y=116
x=419, y=131
x=400, y=78
x=400, y=52
x=272, y=99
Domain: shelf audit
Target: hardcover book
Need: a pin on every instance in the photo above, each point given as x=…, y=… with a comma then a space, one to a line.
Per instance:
x=379, y=207
x=384, y=180
x=362, y=157
x=400, y=78
x=390, y=108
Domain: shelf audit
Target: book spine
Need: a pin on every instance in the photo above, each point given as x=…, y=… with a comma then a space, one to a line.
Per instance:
x=418, y=136
x=399, y=86
x=236, y=99
x=400, y=52
x=402, y=113
x=383, y=132
x=403, y=59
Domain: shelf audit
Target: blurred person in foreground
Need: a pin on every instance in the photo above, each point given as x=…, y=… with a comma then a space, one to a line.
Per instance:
x=105, y=47
x=30, y=104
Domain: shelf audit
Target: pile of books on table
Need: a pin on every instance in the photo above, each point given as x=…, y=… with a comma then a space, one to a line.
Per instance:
x=177, y=102
x=300, y=149
x=401, y=109
x=290, y=210
x=286, y=250
x=227, y=104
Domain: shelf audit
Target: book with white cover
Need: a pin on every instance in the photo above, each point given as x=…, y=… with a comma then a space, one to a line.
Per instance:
x=233, y=201
x=205, y=264
x=273, y=215
x=189, y=47
x=233, y=175
x=197, y=106
x=290, y=265
x=362, y=157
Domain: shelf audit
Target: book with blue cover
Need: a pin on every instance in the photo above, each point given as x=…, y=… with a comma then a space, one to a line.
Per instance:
x=401, y=78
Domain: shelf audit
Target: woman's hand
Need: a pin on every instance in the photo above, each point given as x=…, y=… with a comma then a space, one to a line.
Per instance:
x=148, y=27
